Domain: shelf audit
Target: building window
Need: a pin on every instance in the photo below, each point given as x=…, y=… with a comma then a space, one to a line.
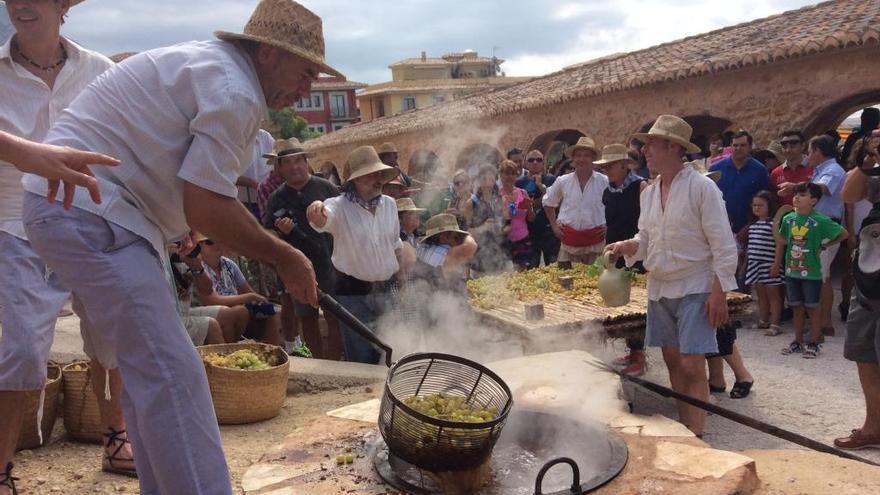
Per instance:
x=314, y=101
x=318, y=128
x=439, y=99
x=380, y=108
x=336, y=127
x=338, y=105
x=409, y=103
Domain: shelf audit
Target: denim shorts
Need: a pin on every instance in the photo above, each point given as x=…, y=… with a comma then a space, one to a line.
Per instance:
x=681, y=323
x=862, y=332
x=803, y=292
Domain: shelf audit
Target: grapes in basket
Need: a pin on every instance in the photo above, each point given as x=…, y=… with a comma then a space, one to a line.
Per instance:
x=450, y=408
x=242, y=359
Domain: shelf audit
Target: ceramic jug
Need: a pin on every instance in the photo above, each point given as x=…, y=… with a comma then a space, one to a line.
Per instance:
x=614, y=283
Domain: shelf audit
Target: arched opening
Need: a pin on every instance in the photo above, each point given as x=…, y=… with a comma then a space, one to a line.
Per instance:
x=478, y=154
x=553, y=143
x=704, y=126
x=833, y=115
x=423, y=164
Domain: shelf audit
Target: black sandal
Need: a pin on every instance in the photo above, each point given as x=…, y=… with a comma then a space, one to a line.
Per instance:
x=717, y=390
x=107, y=463
x=7, y=480
x=741, y=390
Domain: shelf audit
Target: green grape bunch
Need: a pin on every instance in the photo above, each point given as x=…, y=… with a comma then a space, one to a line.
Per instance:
x=242, y=359
x=451, y=408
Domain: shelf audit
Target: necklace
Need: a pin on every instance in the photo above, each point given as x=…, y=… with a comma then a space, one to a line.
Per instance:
x=44, y=68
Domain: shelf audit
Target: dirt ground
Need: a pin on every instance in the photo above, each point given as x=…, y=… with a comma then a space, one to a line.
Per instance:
x=73, y=468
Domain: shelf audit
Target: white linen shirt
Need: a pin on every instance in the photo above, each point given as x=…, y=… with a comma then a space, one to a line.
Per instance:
x=259, y=167
x=364, y=243
x=578, y=209
x=687, y=244
x=189, y=112
x=29, y=107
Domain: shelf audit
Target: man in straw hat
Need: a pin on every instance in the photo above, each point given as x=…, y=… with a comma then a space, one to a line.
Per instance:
x=389, y=155
x=688, y=249
x=204, y=102
x=41, y=73
x=580, y=223
x=443, y=252
x=366, y=244
x=286, y=215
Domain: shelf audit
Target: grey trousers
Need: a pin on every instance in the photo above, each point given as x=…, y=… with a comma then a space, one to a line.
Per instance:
x=121, y=282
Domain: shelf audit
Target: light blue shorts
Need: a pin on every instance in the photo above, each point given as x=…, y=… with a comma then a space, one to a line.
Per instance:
x=681, y=323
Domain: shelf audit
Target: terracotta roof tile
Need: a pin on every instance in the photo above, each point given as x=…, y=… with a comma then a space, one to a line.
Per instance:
x=806, y=31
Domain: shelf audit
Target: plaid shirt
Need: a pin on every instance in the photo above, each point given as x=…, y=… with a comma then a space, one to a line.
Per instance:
x=432, y=255
x=269, y=185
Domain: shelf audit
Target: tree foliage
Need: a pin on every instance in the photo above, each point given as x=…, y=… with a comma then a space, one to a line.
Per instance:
x=287, y=124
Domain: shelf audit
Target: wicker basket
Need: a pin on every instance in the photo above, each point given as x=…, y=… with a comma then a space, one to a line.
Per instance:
x=29, y=438
x=82, y=419
x=246, y=396
x=434, y=444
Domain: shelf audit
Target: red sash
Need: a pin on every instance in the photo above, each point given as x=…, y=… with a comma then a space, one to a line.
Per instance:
x=582, y=238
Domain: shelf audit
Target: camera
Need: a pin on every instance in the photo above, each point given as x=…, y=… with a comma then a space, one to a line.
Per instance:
x=286, y=213
x=265, y=309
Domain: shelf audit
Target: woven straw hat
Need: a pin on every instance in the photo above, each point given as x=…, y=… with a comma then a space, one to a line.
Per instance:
x=613, y=153
x=407, y=204
x=582, y=143
x=386, y=148
x=776, y=148
x=364, y=161
x=287, y=25
x=671, y=128
x=443, y=222
x=286, y=147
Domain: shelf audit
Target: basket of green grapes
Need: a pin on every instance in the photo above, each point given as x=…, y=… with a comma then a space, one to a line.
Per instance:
x=248, y=381
x=441, y=412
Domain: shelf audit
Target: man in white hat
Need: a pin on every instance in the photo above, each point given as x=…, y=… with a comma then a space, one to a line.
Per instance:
x=41, y=73
x=689, y=251
x=183, y=121
x=366, y=244
x=580, y=222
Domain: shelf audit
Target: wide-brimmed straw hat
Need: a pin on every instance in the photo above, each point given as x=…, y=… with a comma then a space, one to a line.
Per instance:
x=671, y=128
x=287, y=25
x=586, y=143
x=776, y=148
x=364, y=161
x=386, y=148
x=286, y=147
x=614, y=153
x=407, y=204
x=443, y=222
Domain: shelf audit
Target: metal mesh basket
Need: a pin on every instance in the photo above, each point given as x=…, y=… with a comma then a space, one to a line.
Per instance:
x=434, y=444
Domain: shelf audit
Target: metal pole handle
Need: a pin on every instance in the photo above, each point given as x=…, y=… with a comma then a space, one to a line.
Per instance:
x=576, y=472
x=332, y=306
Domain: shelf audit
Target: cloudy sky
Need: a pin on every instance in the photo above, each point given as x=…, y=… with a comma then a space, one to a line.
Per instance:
x=364, y=37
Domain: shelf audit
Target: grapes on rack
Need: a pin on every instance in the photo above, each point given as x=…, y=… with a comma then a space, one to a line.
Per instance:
x=243, y=359
x=451, y=408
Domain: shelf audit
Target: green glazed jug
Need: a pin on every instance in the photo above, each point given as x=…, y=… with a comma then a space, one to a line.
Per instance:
x=614, y=283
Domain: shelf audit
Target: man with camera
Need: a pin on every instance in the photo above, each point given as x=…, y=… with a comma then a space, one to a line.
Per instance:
x=286, y=215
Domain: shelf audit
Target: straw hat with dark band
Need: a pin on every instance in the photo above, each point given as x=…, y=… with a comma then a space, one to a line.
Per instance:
x=286, y=147
x=671, y=128
x=613, y=153
x=444, y=222
x=287, y=25
x=364, y=161
x=584, y=143
x=407, y=204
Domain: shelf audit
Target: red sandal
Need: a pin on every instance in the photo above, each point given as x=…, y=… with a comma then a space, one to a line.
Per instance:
x=107, y=464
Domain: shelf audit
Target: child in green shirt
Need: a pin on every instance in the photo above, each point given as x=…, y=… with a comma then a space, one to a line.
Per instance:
x=803, y=234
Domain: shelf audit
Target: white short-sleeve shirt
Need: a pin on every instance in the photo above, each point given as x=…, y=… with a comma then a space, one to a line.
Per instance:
x=579, y=209
x=28, y=107
x=185, y=113
x=259, y=168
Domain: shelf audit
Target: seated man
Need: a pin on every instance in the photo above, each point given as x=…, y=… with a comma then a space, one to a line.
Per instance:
x=443, y=254
x=220, y=282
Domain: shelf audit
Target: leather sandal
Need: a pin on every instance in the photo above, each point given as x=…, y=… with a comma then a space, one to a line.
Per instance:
x=107, y=464
x=7, y=480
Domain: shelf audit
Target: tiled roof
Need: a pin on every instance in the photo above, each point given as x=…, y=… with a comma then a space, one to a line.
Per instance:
x=419, y=61
x=807, y=31
x=416, y=85
x=333, y=85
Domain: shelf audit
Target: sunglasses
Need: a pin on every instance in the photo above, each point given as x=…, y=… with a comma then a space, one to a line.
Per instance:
x=791, y=142
x=207, y=242
x=535, y=160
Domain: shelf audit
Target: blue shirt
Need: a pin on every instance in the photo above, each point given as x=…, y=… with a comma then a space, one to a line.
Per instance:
x=830, y=174
x=739, y=186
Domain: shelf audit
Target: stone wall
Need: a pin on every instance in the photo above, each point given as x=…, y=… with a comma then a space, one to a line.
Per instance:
x=813, y=92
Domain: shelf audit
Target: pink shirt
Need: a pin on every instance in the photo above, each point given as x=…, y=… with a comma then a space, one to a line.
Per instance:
x=519, y=229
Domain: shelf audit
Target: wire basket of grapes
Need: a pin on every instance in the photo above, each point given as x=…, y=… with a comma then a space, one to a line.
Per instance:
x=442, y=412
x=248, y=381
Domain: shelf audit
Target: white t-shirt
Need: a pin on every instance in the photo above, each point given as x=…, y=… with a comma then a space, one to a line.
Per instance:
x=188, y=112
x=29, y=107
x=363, y=243
x=579, y=209
x=259, y=168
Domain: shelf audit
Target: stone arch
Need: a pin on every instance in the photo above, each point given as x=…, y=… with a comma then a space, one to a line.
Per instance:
x=478, y=154
x=553, y=143
x=423, y=163
x=833, y=114
x=705, y=126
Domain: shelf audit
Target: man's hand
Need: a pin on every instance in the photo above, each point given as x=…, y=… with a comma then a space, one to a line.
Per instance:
x=786, y=189
x=316, y=214
x=62, y=165
x=298, y=276
x=254, y=298
x=716, y=306
x=557, y=231
x=285, y=225
x=623, y=248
